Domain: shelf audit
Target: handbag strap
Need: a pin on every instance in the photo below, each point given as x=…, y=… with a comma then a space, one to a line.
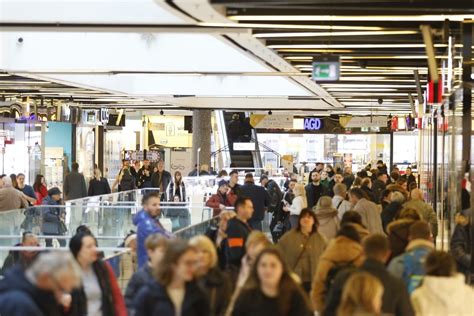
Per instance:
x=301, y=253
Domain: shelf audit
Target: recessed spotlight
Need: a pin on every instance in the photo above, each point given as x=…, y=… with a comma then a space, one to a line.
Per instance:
x=162, y=112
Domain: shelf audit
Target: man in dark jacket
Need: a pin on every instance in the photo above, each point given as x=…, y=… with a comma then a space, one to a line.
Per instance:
x=379, y=185
x=144, y=175
x=161, y=179
x=314, y=189
x=75, y=184
x=395, y=300
x=274, y=191
x=237, y=232
x=21, y=258
x=461, y=243
x=34, y=292
x=260, y=200
x=53, y=217
x=234, y=183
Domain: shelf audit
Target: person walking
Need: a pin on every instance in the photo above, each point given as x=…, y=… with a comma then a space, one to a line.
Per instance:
x=274, y=192
x=408, y=177
x=302, y=247
x=443, y=291
x=27, y=190
x=176, y=188
x=74, y=184
x=222, y=199
x=297, y=205
x=235, y=130
x=339, y=201
x=260, y=199
x=127, y=181
x=327, y=217
x=270, y=290
x=98, y=184
x=461, y=243
x=367, y=209
x=398, y=230
x=380, y=184
x=393, y=209
x=99, y=293
x=234, y=183
x=144, y=175
x=314, y=189
x=280, y=222
x=40, y=188
x=161, y=179
x=173, y=290
x=417, y=202
x=53, y=217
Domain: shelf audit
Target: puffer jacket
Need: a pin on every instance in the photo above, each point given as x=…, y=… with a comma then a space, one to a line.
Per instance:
x=146, y=225
x=341, y=250
x=51, y=217
x=328, y=221
x=443, y=296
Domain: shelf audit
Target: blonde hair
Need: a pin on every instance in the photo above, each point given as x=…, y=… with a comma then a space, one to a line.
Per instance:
x=203, y=243
x=299, y=190
x=257, y=237
x=324, y=202
x=359, y=293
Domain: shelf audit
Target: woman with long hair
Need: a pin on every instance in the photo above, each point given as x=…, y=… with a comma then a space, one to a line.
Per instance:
x=176, y=188
x=210, y=278
x=302, y=246
x=39, y=186
x=297, y=205
x=174, y=291
x=362, y=295
x=271, y=290
x=98, y=184
x=99, y=294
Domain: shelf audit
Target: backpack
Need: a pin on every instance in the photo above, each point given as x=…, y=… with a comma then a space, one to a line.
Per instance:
x=335, y=271
x=413, y=267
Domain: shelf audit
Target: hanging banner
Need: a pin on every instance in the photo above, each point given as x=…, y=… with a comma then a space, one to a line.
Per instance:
x=363, y=121
x=275, y=121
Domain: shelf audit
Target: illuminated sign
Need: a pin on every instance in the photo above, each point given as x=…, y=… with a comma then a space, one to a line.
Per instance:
x=312, y=124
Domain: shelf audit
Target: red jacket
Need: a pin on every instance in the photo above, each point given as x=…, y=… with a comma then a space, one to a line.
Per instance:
x=41, y=194
x=217, y=199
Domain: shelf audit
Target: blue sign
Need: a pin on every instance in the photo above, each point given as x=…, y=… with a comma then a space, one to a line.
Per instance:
x=312, y=124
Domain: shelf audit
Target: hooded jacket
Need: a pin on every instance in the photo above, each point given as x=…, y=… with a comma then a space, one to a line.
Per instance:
x=370, y=215
x=443, y=296
x=427, y=213
x=153, y=300
x=328, y=222
x=398, y=235
x=19, y=297
x=146, y=225
x=51, y=217
x=341, y=250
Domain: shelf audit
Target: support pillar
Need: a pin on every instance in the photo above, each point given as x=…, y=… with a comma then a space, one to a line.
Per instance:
x=202, y=136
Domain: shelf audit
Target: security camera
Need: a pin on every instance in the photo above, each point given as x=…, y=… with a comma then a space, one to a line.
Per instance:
x=270, y=112
x=20, y=40
x=380, y=100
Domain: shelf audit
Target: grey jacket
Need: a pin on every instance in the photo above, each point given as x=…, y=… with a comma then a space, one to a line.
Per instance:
x=74, y=186
x=371, y=215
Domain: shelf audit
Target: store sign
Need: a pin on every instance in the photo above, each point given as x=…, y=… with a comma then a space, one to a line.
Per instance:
x=244, y=146
x=271, y=121
x=312, y=124
x=363, y=121
x=104, y=115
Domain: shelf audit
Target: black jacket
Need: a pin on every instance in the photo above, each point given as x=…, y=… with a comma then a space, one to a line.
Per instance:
x=237, y=233
x=153, y=300
x=19, y=297
x=461, y=243
x=212, y=233
x=144, y=181
x=164, y=179
x=260, y=199
x=390, y=213
x=313, y=193
x=395, y=300
x=377, y=187
x=218, y=289
x=253, y=302
x=275, y=195
x=139, y=279
x=74, y=186
x=98, y=187
x=127, y=183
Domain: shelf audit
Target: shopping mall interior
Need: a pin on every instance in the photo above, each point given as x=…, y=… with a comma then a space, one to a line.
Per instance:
x=120, y=120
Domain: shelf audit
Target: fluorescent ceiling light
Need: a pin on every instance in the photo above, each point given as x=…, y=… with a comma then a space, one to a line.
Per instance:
x=292, y=50
x=360, y=89
x=292, y=26
x=327, y=46
x=346, y=85
x=437, y=17
x=322, y=34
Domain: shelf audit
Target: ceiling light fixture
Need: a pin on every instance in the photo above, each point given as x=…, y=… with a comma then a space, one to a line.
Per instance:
x=384, y=18
x=292, y=26
x=330, y=34
x=370, y=46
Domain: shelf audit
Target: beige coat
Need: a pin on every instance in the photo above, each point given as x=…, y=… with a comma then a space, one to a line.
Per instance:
x=291, y=245
x=339, y=251
x=328, y=221
x=426, y=212
x=371, y=215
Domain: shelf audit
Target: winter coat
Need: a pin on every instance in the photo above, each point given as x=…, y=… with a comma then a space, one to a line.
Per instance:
x=113, y=303
x=137, y=282
x=128, y=182
x=461, y=243
x=217, y=199
x=98, y=187
x=426, y=212
x=41, y=194
x=218, y=289
x=370, y=215
x=74, y=186
x=144, y=180
x=341, y=250
x=297, y=205
x=313, y=193
x=443, y=296
x=341, y=205
x=19, y=297
x=389, y=213
x=398, y=235
x=12, y=199
x=253, y=302
x=165, y=180
x=171, y=192
x=146, y=226
x=275, y=195
x=237, y=234
x=328, y=222
x=153, y=300
x=260, y=199
x=291, y=245
x=395, y=299
x=377, y=187
x=51, y=217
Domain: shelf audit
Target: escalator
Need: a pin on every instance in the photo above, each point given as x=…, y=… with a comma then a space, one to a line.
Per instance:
x=241, y=158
